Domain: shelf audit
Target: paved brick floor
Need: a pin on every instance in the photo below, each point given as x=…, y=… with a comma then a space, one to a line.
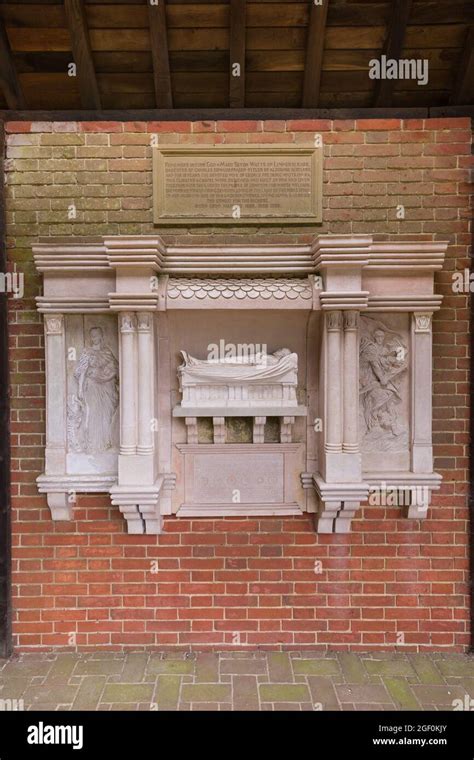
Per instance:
x=236, y=681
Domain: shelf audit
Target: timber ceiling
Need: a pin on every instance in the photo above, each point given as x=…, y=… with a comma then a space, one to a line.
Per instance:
x=178, y=54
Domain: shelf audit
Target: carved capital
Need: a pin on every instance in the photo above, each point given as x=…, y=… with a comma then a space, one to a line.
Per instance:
x=351, y=320
x=54, y=325
x=422, y=321
x=127, y=322
x=334, y=320
x=144, y=321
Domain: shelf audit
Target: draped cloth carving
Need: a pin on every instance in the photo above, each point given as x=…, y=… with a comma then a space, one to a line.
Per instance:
x=268, y=379
x=92, y=411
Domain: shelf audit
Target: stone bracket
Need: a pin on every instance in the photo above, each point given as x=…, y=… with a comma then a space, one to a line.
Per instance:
x=140, y=506
x=61, y=491
x=338, y=502
x=410, y=491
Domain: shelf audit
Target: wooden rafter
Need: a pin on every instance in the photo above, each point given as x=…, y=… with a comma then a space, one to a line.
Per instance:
x=82, y=54
x=463, y=91
x=314, y=53
x=393, y=48
x=9, y=82
x=237, y=53
x=160, y=55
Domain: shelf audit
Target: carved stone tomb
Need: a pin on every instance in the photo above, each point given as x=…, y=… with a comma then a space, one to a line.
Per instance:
x=239, y=380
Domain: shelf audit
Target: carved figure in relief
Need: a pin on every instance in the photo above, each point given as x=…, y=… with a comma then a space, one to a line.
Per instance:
x=383, y=360
x=244, y=380
x=92, y=412
x=274, y=367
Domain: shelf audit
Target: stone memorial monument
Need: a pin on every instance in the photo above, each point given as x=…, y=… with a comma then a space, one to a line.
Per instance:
x=339, y=402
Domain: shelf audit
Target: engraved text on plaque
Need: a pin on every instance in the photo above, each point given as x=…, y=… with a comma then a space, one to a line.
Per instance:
x=237, y=184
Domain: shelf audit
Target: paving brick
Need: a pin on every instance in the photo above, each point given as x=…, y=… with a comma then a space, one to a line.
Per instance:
x=171, y=667
x=323, y=693
x=54, y=692
x=98, y=667
x=244, y=667
x=134, y=667
x=89, y=693
x=167, y=692
x=466, y=683
x=207, y=667
x=426, y=669
x=455, y=667
x=26, y=668
x=206, y=692
x=279, y=667
x=284, y=692
x=63, y=666
x=362, y=693
x=401, y=693
x=438, y=695
x=130, y=692
x=390, y=668
x=245, y=692
x=316, y=667
x=352, y=668
x=13, y=688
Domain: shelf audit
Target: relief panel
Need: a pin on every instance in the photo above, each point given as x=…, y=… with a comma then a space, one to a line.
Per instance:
x=92, y=394
x=384, y=391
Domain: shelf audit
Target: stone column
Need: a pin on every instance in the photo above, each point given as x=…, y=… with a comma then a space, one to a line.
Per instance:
x=55, y=351
x=145, y=383
x=58, y=496
x=128, y=379
x=137, y=491
x=351, y=383
x=333, y=381
x=422, y=451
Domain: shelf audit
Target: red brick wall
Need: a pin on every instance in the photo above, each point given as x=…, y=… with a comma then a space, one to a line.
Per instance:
x=234, y=582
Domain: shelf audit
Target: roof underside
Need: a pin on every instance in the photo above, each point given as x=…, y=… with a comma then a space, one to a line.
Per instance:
x=131, y=55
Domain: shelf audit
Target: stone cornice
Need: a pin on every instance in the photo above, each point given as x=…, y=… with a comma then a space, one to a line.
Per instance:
x=70, y=257
x=343, y=299
x=333, y=272
x=326, y=251
x=404, y=303
x=407, y=256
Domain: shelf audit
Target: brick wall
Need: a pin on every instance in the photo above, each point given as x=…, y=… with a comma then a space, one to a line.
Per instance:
x=241, y=582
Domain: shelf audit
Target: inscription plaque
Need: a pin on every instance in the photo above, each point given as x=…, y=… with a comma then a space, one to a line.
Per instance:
x=237, y=184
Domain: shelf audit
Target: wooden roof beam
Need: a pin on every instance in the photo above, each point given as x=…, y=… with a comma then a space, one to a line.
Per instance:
x=314, y=53
x=160, y=54
x=82, y=53
x=9, y=82
x=237, y=53
x=393, y=48
x=463, y=92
